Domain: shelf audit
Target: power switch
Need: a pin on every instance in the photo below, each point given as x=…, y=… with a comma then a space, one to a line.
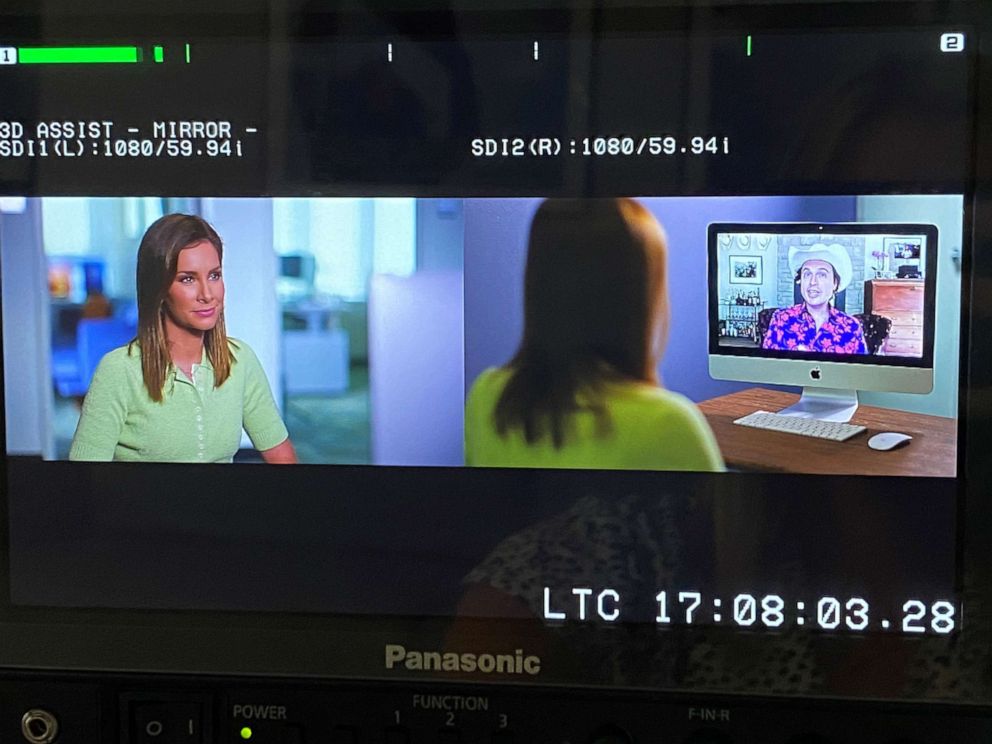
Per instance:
x=166, y=723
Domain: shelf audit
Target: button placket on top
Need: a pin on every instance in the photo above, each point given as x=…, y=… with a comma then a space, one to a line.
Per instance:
x=198, y=391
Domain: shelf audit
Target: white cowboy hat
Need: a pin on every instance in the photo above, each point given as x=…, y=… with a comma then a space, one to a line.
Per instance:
x=834, y=254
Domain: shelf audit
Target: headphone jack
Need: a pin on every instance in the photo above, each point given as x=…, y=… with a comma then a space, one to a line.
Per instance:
x=39, y=726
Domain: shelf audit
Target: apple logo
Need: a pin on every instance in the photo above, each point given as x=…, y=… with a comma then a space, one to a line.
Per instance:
x=815, y=373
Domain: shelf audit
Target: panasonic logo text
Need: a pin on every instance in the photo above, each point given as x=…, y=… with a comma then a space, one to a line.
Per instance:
x=398, y=657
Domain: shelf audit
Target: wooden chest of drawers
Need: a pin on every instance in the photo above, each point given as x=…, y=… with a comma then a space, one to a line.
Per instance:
x=901, y=301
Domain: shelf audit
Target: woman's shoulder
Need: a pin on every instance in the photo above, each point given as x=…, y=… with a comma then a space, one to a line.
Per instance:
x=663, y=427
x=490, y=381
x=656, y=399
x=241, y=350
x=122, y=358
x=644, y=407
x=119, y=368
x=485, y=392
x=246, y=367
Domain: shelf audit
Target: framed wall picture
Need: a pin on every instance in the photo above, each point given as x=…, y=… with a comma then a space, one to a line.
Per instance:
x=903, y=249
x=745, y=270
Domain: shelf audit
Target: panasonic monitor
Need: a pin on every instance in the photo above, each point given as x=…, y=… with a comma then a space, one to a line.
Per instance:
x=370, y=372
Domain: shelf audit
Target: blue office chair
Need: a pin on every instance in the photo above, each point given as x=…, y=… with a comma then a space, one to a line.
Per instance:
x=94, y=338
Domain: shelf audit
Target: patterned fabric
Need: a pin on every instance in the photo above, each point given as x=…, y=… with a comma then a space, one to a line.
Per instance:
x=794, y=329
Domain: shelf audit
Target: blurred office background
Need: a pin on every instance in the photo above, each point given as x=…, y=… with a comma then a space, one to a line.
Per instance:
x=353, y=306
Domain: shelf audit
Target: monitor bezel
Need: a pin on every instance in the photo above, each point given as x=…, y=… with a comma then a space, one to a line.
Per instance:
x=925, y=361
x=193, y=643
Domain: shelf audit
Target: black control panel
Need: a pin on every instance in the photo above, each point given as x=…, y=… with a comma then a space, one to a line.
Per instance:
x=41, y=709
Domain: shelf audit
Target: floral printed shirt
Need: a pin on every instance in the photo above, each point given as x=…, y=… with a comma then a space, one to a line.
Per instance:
x=794, y=329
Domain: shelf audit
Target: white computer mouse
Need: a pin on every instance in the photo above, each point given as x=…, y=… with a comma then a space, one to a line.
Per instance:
x=889, y=440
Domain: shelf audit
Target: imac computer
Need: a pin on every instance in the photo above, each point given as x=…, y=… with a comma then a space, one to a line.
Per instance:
x=834, y=308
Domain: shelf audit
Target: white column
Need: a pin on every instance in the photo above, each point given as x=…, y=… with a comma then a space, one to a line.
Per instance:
x=416, y=369
x=26, y=334
x=251, y=308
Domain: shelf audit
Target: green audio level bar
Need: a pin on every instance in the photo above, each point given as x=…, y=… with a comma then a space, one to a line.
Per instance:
x=78, y=55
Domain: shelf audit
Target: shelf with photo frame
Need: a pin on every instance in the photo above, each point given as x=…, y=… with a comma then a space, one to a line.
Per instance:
x=738, y=323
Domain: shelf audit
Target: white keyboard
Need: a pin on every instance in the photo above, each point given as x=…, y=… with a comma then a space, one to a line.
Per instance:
x=806, y=427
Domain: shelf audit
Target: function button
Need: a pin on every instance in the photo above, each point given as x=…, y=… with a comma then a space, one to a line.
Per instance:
x=503, y=737
x=397, y=735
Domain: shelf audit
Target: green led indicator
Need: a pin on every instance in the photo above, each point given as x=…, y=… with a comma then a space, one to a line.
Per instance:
x=246, y=733
x=187, y=54
x=749, y=45
x=77, y=55
x=159, y=53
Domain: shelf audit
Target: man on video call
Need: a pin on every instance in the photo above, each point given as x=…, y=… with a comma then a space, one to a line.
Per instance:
x=815, y=324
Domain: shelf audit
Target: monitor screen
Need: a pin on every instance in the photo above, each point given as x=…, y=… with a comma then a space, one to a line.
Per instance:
x=291, y=266
x=427, y=336
x=855, y=291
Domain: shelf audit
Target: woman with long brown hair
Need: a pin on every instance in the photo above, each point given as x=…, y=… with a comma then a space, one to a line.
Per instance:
x=181, y=391
x=582, y=390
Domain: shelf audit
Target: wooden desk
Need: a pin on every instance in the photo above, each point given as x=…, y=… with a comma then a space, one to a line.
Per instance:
x=933, y=451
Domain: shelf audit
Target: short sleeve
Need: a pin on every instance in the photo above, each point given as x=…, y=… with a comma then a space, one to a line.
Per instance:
x=261, y=418
x=683, y=435
x=707, y=456
x=104, y=410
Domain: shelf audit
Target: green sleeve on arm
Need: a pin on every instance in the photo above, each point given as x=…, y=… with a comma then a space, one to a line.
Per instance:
x=261, y=417
x=104, y=411
x=701, y=448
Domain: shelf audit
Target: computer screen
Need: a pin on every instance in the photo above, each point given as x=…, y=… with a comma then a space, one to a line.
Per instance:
x=858, y=291
x=292, y=267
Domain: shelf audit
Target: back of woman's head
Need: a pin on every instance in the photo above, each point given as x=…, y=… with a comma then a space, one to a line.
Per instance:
x=595, y=308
